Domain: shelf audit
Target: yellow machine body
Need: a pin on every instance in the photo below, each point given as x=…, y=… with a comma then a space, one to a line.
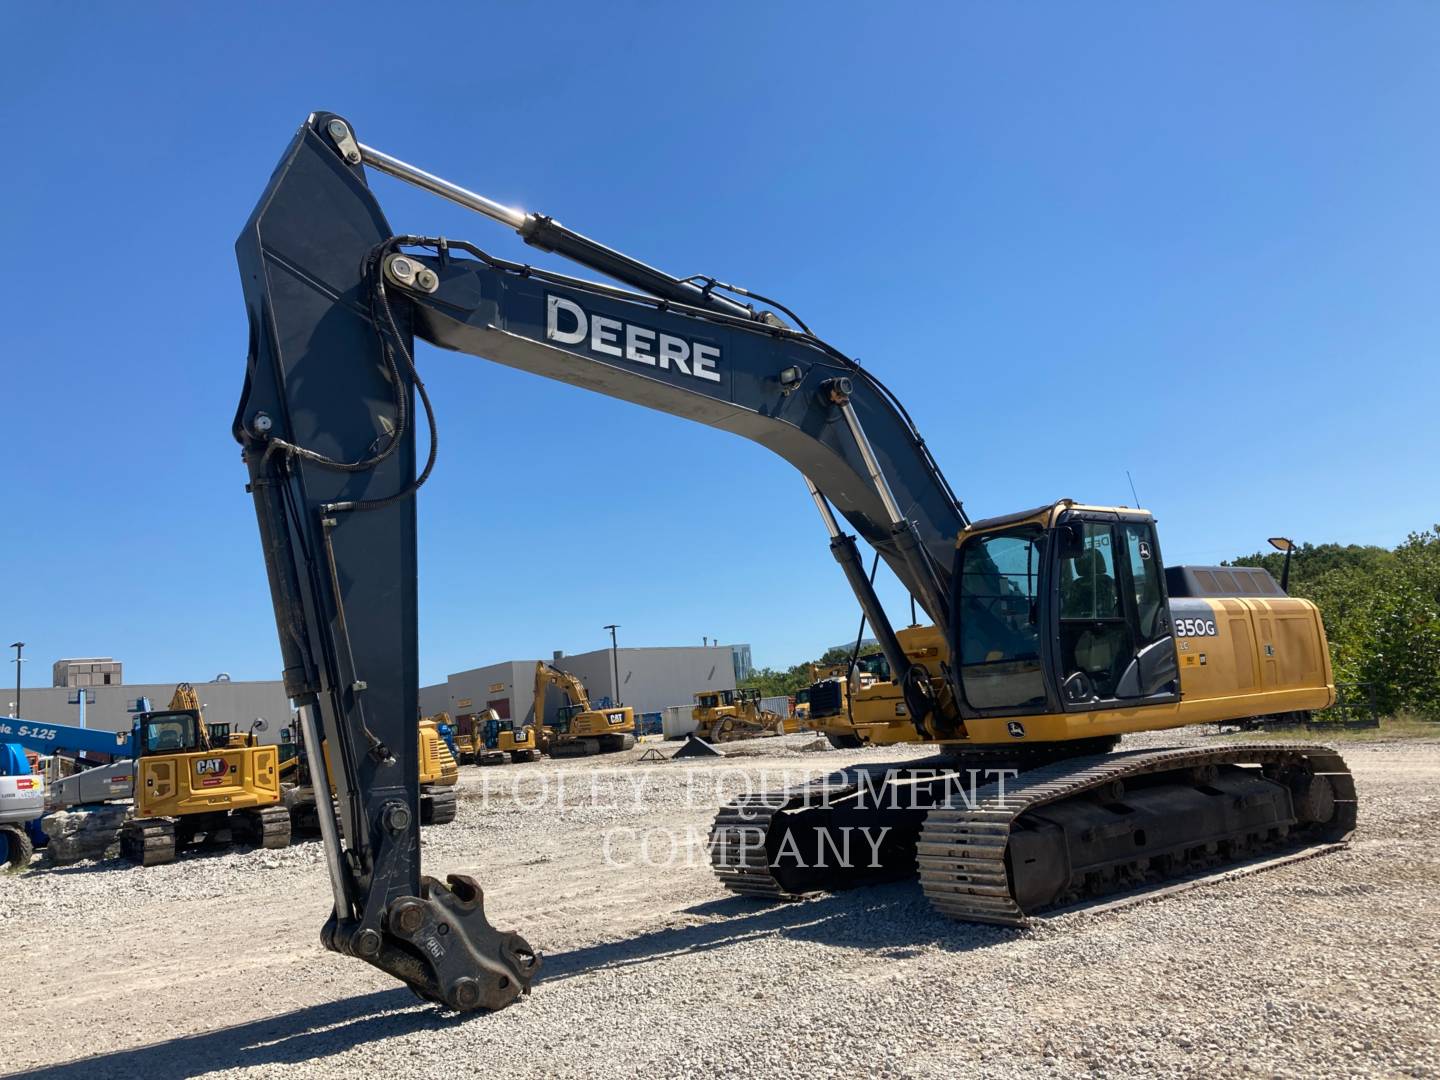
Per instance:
x=1237, y=657
x=508, y=740
x=592, y=723
x=1268, y=657
x=438, y=766
x=183, y=782
x=874, y=711
x=723, y=715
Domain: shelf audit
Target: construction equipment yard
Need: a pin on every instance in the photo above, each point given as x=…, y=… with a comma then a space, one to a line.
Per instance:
x=1326, y=966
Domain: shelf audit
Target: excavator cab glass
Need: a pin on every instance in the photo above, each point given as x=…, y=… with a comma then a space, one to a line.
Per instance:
x=169, y=733
x=1071, y=618
x=874, y=665
x=999, y=630
x=565, y=715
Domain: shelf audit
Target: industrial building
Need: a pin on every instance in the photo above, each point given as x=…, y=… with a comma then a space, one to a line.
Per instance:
x=225, y=702
x=649, y=680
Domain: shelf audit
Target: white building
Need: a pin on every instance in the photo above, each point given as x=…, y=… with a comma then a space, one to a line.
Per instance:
x=649, y=680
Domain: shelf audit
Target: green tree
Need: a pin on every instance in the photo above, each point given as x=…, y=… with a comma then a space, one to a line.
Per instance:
x=1381, y=611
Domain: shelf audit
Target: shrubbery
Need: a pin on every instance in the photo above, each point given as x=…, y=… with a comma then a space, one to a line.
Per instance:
x=1382, y=614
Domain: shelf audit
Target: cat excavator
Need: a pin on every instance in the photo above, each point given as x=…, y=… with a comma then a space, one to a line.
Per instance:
x=580, y=729
x=198, y=784
x=1063, y=628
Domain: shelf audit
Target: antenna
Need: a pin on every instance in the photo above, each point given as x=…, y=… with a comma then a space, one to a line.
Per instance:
x=1132, y=489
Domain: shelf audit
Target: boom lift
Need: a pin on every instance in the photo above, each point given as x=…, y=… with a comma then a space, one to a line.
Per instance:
x=1062, y=631
x=582, y=729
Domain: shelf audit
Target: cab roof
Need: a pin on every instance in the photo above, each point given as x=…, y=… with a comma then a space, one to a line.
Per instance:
x=1046, y=516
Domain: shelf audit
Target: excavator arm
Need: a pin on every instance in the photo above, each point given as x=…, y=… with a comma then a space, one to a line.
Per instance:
x=547, y=676
x=327, y=422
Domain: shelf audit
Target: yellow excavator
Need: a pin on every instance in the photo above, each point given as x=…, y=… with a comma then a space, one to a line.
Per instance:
x=1063, y=627
x=195, y=785
x=580, y=728
x=727, y=715
x=499, y=739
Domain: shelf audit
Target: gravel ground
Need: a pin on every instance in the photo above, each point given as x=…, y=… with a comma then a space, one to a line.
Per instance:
x=211, y=966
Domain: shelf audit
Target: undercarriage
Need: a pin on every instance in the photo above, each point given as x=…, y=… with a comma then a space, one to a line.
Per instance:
x=996, y=838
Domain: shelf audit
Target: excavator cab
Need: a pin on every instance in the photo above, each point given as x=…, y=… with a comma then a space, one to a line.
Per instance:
x=170, y=732
x=1063, y=609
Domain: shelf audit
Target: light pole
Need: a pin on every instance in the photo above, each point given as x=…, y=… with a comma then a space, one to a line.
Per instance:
x=1285, y=544
x=19, y=647
x=615, y=658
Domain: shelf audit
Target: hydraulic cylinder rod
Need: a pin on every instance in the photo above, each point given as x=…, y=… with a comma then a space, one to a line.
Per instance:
x=547, y=234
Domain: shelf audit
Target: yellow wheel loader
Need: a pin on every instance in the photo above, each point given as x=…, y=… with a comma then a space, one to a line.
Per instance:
x=867, y=708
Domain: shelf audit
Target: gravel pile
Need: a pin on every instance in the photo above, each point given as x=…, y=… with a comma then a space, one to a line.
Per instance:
x=1324, y=967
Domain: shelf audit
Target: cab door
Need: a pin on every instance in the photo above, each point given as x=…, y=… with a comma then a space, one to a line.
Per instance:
x=1115, y=642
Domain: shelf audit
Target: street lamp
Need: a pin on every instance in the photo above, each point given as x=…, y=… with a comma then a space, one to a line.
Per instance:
x=1285, y=544
x=615, y=658
x=19, y=647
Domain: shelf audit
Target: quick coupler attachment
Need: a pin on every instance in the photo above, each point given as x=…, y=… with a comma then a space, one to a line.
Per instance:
x=441, y=945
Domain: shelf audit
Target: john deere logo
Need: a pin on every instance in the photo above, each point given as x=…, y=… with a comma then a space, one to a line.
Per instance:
x=1016, y=729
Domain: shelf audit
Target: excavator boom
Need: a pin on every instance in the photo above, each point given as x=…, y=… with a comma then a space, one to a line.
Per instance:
x=327, y=420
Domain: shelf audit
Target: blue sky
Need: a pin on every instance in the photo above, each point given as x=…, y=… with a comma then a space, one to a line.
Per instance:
x=1198, y=242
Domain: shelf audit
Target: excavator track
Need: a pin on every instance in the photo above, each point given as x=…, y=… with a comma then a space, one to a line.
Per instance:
x=997, y=852
x=978, y=862
x=438, y=806
x=267, y=826
x=737, y=845
x=148, y=841
x=787, y=844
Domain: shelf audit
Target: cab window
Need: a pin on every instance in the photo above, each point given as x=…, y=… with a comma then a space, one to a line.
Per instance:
x=1094, y=633
x=1145, y=578
x=999, y=621
x=169, y=734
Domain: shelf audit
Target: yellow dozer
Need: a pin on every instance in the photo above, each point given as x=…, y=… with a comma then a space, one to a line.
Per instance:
x=195, y=787
x=728, y=715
